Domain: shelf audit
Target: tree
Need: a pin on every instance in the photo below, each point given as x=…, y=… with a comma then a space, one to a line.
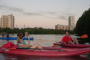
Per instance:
x=83, y=24
x=34, y=31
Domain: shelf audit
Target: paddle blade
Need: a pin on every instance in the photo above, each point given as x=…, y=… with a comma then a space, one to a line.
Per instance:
x=84, y=36
x=55, y=46
x=12, y=48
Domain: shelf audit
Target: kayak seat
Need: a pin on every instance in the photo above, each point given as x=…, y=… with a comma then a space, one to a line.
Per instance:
x=8, y=45
x=15, y=46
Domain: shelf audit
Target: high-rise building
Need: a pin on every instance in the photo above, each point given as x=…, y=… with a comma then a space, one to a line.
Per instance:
x=61, y=27
x=58, y=27
x=65, y=27
x=7, y=21
x=71, y=22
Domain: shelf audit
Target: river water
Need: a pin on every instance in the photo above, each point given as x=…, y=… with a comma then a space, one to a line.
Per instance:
x=44, y=41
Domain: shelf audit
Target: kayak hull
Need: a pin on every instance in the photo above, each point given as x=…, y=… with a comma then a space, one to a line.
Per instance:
x=73, y=45
x=65, y=52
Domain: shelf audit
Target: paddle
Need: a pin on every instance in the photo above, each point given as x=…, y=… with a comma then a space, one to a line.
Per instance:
x=84, y=36
x=36, y=49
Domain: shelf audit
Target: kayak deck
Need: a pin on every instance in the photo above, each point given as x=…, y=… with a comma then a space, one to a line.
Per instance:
x=72, y=52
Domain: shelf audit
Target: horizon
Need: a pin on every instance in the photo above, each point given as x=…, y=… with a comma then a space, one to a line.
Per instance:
x=45, y=14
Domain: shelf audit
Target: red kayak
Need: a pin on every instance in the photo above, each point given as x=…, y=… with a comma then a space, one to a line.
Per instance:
x=66, y=52
x=73, y=45
x=51, y=52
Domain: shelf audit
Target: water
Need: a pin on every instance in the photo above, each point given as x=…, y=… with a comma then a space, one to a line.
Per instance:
x=20, y=57
x=43, y=40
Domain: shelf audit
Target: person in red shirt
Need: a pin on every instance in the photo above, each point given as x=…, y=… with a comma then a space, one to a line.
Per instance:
x=68, y=40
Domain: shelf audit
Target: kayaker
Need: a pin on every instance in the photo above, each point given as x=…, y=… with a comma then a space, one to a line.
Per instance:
x=21, y=43
x=3, y=35
x=68, y=40
x=8, y=35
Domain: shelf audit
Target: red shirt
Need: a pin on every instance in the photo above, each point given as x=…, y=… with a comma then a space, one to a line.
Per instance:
x=66, y=39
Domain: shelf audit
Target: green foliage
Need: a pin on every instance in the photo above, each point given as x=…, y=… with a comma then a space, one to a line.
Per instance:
x=83, y=40
x=34, y=31
x=83, y=24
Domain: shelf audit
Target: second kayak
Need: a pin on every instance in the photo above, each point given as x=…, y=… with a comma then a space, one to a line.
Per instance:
x=73, y=45
x=15, y=38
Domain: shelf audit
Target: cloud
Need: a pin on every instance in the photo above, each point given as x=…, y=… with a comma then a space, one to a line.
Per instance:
x=28, y=13
x=62, y=17
x=52, y=15
x=4, y=7
x=58, y=15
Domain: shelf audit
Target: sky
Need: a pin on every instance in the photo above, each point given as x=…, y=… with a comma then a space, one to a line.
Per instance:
x=43, y=13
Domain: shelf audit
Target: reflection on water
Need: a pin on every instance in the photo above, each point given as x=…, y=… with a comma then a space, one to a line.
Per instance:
x=20, y=57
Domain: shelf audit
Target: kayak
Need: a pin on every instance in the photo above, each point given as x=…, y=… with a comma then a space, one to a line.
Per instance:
x=73, y=45
x=44, y=53
x=15, y=38
x=49, y=51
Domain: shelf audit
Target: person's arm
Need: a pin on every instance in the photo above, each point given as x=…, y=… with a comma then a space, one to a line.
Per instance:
x=70, y=39
x=63, y=41
x=26, y=34
x=26, y=46
x=28, y=41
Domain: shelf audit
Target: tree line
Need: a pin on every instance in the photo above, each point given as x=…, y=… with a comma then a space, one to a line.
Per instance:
x=34, y=31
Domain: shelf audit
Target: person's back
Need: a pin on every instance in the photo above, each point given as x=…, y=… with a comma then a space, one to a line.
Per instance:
x=7, y=35
x=23, y=43
x=20, y=42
